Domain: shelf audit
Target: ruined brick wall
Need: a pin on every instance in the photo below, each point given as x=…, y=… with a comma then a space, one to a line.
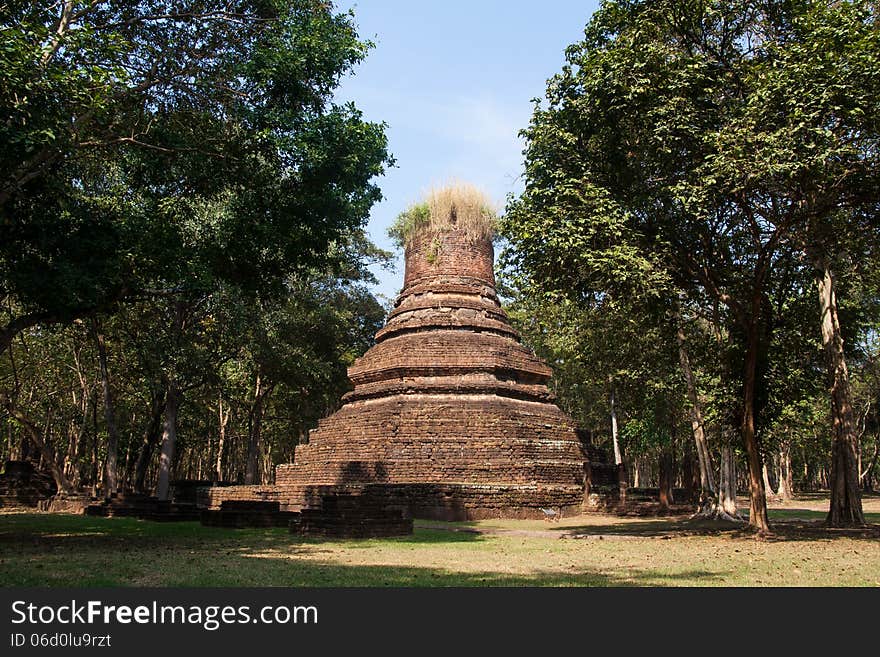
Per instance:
x=431, y=256
x=449, y=412
x=23, y=485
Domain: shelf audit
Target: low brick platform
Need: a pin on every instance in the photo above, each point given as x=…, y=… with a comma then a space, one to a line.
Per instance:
x=22, y=485
x=213, y=497
x=143, y=507
x=60, y=503
x=239, y=515
x=347, y=515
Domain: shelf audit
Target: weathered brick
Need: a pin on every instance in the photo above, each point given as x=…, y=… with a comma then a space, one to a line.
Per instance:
x=450, y=416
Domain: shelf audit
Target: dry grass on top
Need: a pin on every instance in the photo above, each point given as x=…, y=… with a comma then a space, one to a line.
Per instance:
x=457, y=206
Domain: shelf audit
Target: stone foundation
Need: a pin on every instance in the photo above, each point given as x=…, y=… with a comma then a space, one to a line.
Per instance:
x=238, y=515
x=368, y=513
x=143, y=507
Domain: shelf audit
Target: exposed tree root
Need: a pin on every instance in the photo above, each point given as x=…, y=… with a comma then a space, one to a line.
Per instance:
x=710, y=509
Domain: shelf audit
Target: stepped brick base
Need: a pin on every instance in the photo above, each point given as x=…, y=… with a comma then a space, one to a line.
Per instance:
x=450, y=416
x=425, y=500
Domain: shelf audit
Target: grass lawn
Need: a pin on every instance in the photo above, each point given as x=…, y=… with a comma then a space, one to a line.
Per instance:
x=590, y=550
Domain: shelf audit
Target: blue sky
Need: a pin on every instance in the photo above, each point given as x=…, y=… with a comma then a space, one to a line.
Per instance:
x=454, y=82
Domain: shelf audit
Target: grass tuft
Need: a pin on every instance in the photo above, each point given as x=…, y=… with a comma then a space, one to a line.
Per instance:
x=457, y=206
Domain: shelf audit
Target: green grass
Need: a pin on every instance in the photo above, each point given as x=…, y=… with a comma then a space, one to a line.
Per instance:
x=64, y=550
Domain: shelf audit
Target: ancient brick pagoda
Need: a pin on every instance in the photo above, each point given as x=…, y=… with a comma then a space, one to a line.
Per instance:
x=450, y=414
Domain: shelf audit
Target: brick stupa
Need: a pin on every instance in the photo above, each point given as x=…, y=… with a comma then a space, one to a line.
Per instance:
x=450, y=414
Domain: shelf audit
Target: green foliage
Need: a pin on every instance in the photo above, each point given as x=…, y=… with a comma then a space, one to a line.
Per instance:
x=147, y=147
x=708, y=159
x=298, y=345
x=184, y=173
x=598, y=345
x=641, y=436
x=409, y=222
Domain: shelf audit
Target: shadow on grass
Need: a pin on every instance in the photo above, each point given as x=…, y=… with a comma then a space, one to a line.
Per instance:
x=424, y=536
x=660, y=528
x=69, y=531
x=87, y=552
x=822, y=496
x=47, y=550
x=793, y=527
x=51, y=531
x=334, y=574
x=800, y=513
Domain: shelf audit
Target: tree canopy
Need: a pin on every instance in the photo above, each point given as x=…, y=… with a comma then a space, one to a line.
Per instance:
x=691, y=154
x=182, y=205
x=155, y=146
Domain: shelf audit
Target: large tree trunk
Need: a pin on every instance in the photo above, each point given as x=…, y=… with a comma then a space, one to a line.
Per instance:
x=867, y=475
x=152, y=433
x=727, y=488
x=61, y=481
x=846, y=498
x=111, y=478
x=252, y=470
x=622, y=476
x=169, y=441
x=785, y=490
x=765, y=475
x=618, y=457
x=708, y=503
x=757, y=494
x=268, y=470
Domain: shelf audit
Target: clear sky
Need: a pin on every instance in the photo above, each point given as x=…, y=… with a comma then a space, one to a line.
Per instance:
x=454, y=82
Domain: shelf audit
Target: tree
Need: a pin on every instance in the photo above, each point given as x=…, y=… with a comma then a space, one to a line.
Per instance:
x=807, y=138
x=711, y=504
x=867, y=400
x=615, y=193
x=675, y=145
x=611, y=371
x=160, y=152
x=154, y=147
x=213, y=348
